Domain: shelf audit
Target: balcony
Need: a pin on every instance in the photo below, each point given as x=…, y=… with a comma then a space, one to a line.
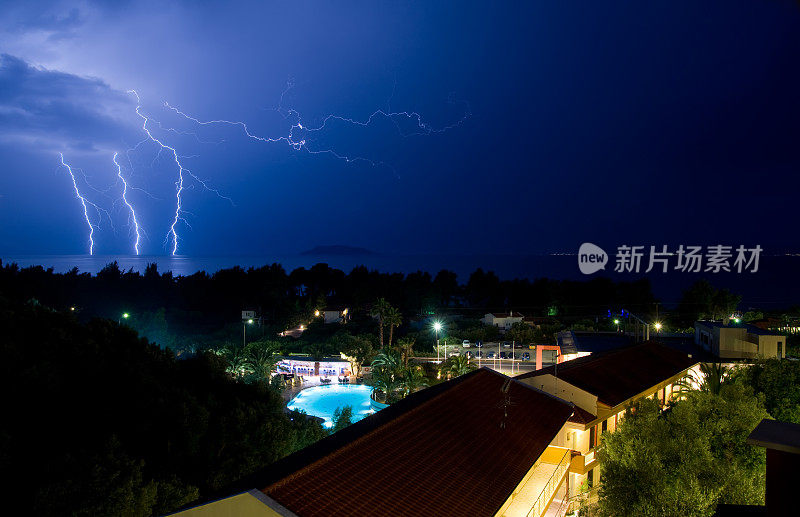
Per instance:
x=533, y=496
x=583, y=463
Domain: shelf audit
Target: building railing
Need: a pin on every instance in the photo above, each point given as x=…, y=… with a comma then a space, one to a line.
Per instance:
x=551, y=486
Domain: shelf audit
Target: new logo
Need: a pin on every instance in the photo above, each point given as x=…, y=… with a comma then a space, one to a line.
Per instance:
x=591, y=258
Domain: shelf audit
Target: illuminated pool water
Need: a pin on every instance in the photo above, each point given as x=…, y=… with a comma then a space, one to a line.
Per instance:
x=322, y=401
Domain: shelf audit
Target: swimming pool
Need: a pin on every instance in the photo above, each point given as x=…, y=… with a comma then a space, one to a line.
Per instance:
x=322, y=401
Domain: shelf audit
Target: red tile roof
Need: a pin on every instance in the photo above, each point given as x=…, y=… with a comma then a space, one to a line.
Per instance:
x=581, y=416
x=440, y=451
x=617, y=375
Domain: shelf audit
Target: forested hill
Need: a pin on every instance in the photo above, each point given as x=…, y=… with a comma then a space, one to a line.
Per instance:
x=98, y=421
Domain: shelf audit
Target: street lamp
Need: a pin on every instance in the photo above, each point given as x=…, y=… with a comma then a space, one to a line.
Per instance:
x=437, y=326
x=244, y=331
x=125, y=316
x=658, y=326
x=616, y=322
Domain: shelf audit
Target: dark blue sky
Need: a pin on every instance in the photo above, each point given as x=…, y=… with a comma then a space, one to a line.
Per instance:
x=634, y=123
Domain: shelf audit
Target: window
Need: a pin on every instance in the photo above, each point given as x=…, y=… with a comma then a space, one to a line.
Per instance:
x=605, y=426
x=592, y=437
x=780, y=349
x=590, y=478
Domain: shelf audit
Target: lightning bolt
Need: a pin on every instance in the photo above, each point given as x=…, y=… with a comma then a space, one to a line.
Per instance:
x=172, y=233
x=300, y=143
x=84, y=202
x=128, y=204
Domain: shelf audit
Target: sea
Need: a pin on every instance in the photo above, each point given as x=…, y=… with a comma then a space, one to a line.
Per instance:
x=776, y=284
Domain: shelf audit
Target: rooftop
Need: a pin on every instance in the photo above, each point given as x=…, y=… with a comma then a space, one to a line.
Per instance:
x=751, y=329
x=616, y=375
x=511, y=314
x=773, y=434
x=416, y=456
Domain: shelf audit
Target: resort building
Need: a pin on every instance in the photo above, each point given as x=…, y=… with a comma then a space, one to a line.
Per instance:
x=483, y=444
x=739, y=341
x=503, y=321
x=602, y=386
x=333, y=314
x=479, y=445
x=310, y=367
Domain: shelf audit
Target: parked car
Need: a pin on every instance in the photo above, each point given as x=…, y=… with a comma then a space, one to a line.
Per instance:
x=465, y=343
x=503, y=355
x=506, y=344
x=490, y=356
x=519, y=345
x=453, y=354
x=468, y=354
x=526, y=356
x=479, y=344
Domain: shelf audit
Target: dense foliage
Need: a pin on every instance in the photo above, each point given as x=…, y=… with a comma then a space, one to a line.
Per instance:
x=203, y=310
x=778, y=382
x=685, y=460
x=100, y=422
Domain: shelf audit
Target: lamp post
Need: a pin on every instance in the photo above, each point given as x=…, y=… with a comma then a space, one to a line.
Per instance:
x=125, y=316
x=437, y=326
x=616, y=322
x=658, y=326
x=244, y=331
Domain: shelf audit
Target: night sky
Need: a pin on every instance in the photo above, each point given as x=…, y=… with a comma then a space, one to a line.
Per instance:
x=542, y=125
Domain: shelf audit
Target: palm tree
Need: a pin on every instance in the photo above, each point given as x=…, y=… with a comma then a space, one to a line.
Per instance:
x=385, y=382
x=237, y=360
x=387, y=371
x=413, y=379
x=387, y=361
x=406, y=347
x=393, y=318
x=261, y=359
x=379, y=309
x=459, y=365
x=712, y=377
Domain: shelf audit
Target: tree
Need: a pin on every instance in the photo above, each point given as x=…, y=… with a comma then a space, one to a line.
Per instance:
x=412, y=379
x=702, y=301
x=685, y=460
x=342, y=417
x=356, y=350
x=521, y=333
x=778, y=381
x=261, y=358
x=393, y=318
x=139, y=432
x=710, y=380
x=406, y=347
x=387, y=372
x=237, y=359
x=458, y=365
x=379, y=309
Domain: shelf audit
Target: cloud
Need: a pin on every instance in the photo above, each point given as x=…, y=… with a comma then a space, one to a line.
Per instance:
x=56, y=110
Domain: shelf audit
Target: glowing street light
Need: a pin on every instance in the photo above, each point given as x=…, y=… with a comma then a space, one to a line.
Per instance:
x=316, y=313
x=616, y=322
x=657, y=326
x=437, y=326
x=244, y=331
